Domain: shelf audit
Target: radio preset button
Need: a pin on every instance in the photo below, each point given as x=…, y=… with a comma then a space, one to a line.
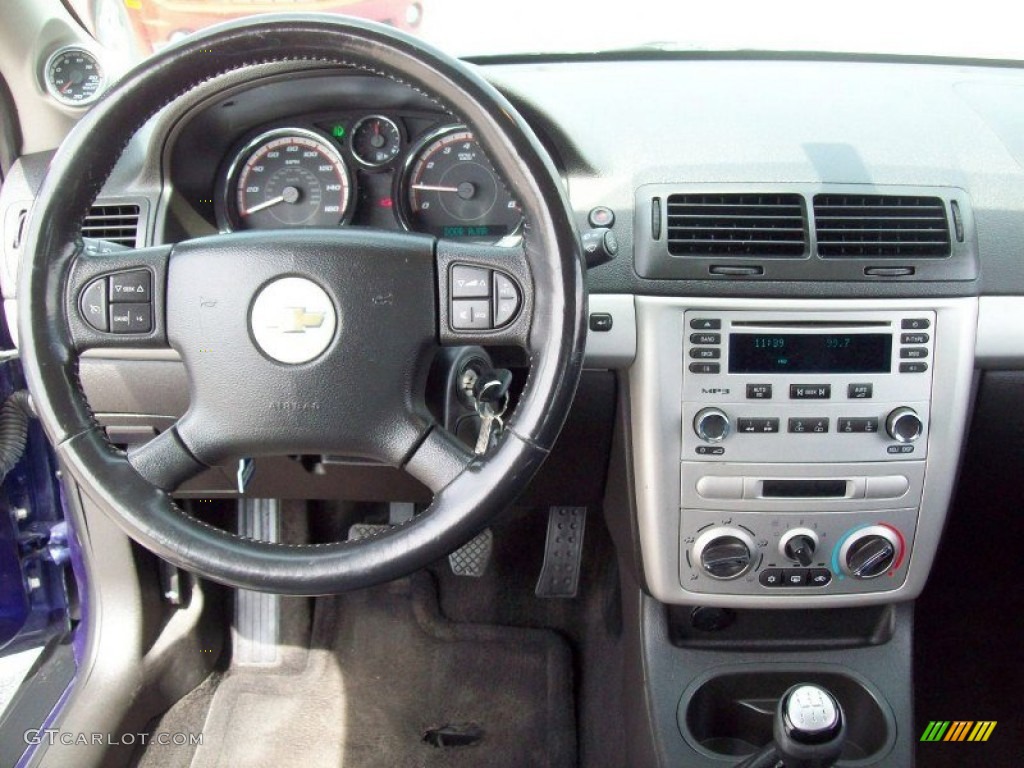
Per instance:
x=759, y=391
x=705, y=338
x=757, y=426
x=860, y=391
x=914, y=338
x=913, y=367
x=705, y=368
x=705, y=353
x=915, y=323
x=706, y=324
x=808, y=426
x=913, y=353
x=857, y=426
x=810, y=391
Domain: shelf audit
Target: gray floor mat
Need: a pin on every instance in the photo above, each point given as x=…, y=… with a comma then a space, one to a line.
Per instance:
x=384, y=667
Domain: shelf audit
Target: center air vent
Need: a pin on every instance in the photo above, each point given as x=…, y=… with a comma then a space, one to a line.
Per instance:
x=885, y=226
x=115, y=223
x=762, y=225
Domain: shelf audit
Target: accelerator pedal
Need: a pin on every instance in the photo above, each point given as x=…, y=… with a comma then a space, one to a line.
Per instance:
x=563, y=552
x=256, y=631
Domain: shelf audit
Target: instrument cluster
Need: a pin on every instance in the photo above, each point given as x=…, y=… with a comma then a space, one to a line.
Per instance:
x=400, y=170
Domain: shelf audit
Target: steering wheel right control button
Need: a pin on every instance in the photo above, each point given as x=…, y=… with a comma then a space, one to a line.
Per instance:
x=482, y=299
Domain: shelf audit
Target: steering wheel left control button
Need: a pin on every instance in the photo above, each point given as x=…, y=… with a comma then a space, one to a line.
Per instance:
x=93, y=305
x=134, y=287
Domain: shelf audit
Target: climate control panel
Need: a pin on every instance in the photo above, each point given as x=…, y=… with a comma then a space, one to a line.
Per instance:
x=762, y=553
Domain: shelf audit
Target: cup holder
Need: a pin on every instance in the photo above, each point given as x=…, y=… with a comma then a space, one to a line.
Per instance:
x=730, y=713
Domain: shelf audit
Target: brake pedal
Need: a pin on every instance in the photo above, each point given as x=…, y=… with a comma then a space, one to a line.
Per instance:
x=563, y=552
x=471, y=558
x=256, y=630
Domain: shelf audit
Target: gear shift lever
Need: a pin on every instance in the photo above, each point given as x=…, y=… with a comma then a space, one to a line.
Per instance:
x=809, y=731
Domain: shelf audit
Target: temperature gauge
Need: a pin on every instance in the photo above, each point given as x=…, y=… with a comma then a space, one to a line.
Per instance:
x=74, y=77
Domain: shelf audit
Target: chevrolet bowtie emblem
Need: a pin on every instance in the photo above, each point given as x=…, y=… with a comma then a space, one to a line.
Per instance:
x=297, y=320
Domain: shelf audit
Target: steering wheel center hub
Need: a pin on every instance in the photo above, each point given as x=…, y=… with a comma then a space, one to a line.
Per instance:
x=292, y=320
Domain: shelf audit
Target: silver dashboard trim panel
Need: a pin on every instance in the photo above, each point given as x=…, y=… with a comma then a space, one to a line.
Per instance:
x=656, y=401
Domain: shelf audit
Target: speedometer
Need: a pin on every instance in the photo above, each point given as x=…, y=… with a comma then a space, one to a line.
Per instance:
x=449, y=190
x=289, y=177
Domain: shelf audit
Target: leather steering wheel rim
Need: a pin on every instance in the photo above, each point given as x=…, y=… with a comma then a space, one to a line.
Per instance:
x=466, y=494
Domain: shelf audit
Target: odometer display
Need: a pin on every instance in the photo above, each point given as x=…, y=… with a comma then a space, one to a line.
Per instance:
x=449, y=190
x=290, y=178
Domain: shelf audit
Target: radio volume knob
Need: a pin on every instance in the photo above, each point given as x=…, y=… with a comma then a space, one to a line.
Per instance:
x=712, y=425
x=904, y=425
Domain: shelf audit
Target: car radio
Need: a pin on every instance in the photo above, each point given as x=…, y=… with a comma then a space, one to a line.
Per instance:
x=806, y=387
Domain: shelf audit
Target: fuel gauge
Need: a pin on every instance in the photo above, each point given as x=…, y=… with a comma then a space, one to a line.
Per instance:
x=74, y=77
x=375, y=140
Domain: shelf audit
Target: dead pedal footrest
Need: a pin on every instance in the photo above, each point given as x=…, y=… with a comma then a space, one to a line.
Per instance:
x=563, y=552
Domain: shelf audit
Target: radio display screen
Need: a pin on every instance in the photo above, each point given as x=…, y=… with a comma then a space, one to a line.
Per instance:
x=810, y=353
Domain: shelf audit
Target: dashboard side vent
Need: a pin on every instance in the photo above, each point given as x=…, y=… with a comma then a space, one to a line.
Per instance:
x=881, y=226
x=763, y=225
x=118, y=223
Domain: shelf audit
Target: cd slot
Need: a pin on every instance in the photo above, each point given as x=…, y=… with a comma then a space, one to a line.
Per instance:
x=804, y=489
x=811, y=324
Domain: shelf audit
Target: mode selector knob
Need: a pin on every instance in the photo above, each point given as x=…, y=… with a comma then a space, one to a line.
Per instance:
x=724, y=553
x=712, y=425
x=904, y=425
x=870, y=552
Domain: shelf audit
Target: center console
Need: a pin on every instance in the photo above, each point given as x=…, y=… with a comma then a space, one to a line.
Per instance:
x=796, y=453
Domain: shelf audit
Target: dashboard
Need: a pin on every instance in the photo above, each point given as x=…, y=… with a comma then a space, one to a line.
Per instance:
x=785, y=420
x=330, y=159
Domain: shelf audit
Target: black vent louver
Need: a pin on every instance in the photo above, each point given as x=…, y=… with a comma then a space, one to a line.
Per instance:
x=115, y=223
x=881, y=226
x=764, y=225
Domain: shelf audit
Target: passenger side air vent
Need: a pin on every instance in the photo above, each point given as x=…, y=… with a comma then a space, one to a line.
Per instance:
x=115, y=223
x=881, y=226
x=762, y=225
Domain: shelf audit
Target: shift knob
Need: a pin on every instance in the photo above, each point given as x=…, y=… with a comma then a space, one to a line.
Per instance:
x=809, y=727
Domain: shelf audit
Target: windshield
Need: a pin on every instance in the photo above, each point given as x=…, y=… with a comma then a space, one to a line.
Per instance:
x=135, y=28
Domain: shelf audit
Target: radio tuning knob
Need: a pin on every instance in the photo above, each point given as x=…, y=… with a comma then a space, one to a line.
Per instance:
x=712, y=425
x=904, y=425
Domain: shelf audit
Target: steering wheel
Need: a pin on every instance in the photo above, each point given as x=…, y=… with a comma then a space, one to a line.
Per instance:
x=376, y=305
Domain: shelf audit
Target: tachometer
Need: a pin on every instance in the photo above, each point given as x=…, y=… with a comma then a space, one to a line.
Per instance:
x=289, y=177
x=449, y=190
